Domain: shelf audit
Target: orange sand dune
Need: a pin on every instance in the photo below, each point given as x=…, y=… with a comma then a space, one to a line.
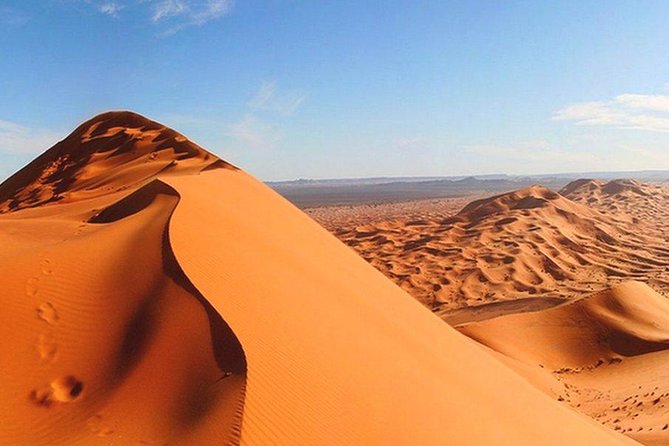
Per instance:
x=532, y=245
x=154, y=294
x=610, y=351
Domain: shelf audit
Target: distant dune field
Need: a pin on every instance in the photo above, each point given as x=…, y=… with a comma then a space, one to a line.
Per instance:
x=527, y=244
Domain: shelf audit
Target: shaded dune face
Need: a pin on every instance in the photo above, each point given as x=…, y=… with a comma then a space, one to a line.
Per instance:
x=532, y=244
x=106, y=339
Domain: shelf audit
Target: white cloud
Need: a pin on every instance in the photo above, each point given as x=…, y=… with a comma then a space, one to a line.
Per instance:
x=642, y=101
x=268, y=98
x=254, y=132
x=15, y=138
x=110, y=8
x=627, y=111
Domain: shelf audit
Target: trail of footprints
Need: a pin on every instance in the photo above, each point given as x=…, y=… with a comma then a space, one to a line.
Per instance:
x=68, y=388
x=63, y=389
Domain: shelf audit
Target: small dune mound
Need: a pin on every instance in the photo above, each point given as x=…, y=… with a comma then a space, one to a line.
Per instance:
x=585, y=188
x=607, y=351
x=625, y=185
x=630, y=319
x=581, y=185
x=528, y=198
x=111, y=152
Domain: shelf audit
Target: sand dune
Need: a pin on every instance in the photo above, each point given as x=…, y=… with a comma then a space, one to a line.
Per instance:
x=640, y=203
x=154, y=294
x=530, y=244
x=106, y=340
x=610, y=352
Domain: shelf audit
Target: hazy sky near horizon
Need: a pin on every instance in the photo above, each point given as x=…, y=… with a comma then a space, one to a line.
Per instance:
x=328, y=89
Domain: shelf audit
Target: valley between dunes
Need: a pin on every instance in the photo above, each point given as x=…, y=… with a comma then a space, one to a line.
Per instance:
x=155, y=294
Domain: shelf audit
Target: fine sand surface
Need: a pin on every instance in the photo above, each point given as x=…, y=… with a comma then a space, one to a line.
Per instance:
x=534, y=247
x=154, y=294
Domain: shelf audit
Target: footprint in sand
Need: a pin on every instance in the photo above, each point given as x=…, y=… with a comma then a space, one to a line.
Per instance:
x=32, y=286
x=66, y=389
x=61, y=390
x=98, y=427
x=80, y=229
x=46, y=266
x=47, y=312
x=47, y=348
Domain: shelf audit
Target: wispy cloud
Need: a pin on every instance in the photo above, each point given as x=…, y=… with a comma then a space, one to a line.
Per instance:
x=268, y=98
x=626, y=111
x=13, y=17
x=110, y=8
x=265, y=132
x=252, y=129
x=168, y=8
x=171, y=15
x=255, y=132
x=18, y=139
x=180, y=14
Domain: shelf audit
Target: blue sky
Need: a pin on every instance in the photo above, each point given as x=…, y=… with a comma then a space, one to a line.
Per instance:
x=324, y=89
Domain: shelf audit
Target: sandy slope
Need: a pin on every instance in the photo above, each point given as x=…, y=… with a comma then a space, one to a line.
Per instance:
x=531, y=244
x=609, y=350
x=153, y=294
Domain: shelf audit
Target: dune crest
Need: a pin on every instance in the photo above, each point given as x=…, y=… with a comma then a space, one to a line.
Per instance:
x=112, y=152
x=172, y=298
